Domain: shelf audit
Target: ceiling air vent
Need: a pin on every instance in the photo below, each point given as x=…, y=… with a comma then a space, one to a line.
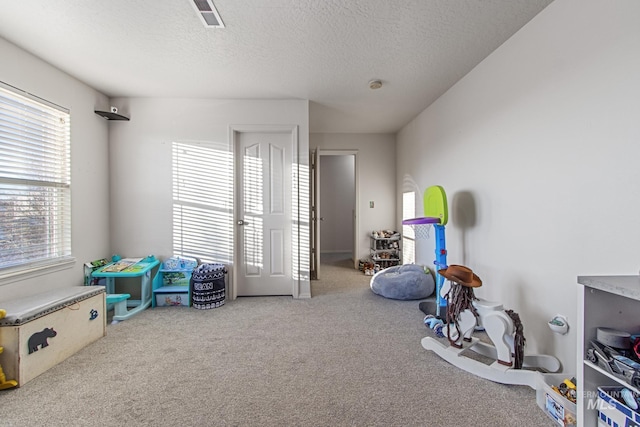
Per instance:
x=207, y=13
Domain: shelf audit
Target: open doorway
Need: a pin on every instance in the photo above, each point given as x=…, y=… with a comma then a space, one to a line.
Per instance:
x=335, y=208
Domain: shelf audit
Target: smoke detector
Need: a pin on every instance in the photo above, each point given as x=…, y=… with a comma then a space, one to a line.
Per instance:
x=375, y=84
x=208, y=13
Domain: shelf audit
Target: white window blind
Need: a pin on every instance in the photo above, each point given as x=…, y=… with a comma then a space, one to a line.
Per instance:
x=35, y=193
x=203, y=201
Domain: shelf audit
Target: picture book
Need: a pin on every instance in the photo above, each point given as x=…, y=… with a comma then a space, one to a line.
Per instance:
x=122, y=265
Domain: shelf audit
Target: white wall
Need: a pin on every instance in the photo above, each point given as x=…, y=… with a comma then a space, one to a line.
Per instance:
x=89, y=168
x=337, y=203
x=376, y=178
x=140, y=155
x=537, y=149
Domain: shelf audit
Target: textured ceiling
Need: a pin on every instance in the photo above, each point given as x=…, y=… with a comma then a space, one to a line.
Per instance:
x=325, y=51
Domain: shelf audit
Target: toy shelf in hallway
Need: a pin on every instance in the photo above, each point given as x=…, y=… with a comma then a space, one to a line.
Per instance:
x=436, y=213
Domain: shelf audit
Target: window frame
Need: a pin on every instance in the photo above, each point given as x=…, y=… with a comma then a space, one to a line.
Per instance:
x=32, y=125
x=202, y=201
x=408, y=233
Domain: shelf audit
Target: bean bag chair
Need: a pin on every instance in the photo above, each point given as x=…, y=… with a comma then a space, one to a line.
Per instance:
x=403, y=282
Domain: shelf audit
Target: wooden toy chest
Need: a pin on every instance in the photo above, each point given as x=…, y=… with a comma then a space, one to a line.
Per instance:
x=41, y=331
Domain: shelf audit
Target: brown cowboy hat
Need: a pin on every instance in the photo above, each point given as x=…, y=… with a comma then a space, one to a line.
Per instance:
x=462, y=275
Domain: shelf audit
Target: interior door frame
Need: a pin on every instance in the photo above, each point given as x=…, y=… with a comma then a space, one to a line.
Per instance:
x=316, y=204
x=234, y=131
x=314, y=237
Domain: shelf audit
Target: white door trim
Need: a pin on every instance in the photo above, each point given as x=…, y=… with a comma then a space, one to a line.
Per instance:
x=234, y=130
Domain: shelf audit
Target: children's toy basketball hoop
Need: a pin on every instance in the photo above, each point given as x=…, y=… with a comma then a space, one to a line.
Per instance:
x=436, y=213
x=421, y=226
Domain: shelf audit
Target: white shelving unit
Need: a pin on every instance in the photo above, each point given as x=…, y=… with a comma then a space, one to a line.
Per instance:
x=603, y=301
x=385, y=251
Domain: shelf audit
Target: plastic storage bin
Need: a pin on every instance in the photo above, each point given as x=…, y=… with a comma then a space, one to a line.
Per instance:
x=169, y=296
x=612, y=412
x=208, y=286
x=556, y=406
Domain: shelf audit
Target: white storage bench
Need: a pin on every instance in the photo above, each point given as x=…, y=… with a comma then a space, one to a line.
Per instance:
x=42, y=330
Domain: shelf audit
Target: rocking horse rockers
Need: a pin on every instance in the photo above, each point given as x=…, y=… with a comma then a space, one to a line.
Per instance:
x=465, y=313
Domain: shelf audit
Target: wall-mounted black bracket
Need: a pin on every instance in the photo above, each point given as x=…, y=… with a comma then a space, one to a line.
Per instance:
x=111, y=116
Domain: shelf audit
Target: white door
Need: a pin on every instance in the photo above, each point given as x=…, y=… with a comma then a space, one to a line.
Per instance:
x=263, y=182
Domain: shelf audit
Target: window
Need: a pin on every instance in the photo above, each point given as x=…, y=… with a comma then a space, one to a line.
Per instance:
x=408, y=233
x=203, y=201
x=35, y=193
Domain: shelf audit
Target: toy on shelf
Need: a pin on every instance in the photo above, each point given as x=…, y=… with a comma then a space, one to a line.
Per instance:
x=436, y=213
x=635, y=342
x=385, y=250
x=618, y=406
x=567, y=389
x=465, y=314
x=616, y=353
x=630, y=398
x=4, y=382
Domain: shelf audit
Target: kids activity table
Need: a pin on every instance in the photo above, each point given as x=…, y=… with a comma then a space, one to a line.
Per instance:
x=130, y=267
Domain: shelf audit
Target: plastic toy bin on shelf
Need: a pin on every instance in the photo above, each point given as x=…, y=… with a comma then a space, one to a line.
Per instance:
x=169, y=296
x=556, y=406
x=612, y=412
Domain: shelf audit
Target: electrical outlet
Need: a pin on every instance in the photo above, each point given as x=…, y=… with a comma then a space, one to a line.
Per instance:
x=371, y=204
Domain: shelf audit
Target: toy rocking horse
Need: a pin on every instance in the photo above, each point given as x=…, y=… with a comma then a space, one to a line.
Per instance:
x=465, y=314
